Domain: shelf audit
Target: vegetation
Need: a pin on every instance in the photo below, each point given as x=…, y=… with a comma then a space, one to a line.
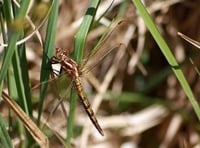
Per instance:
x=140, y=76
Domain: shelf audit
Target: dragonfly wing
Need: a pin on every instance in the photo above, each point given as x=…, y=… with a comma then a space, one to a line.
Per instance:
x=94, y=61
x=108, y=45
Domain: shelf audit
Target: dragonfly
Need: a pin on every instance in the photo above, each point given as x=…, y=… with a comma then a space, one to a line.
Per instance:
x=74, y=72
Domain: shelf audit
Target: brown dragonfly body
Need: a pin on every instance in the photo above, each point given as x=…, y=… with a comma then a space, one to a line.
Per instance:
x=71, y=68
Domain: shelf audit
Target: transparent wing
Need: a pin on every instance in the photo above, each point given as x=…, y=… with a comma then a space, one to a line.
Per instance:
x=55, y=73
x=106, y=45
x=94, y=61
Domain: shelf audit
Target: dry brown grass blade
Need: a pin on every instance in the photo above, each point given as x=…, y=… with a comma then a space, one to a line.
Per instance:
x=41, y=139
x=191, y=41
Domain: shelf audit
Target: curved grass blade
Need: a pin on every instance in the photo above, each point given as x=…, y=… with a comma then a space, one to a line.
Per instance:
x=48, y=52
x=168, y=55
x=80, y=39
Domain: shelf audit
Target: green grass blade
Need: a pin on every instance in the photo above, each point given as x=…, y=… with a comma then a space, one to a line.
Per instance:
x=4, y=136
x=3, y=29
x=83, y=30
x=13, y=39
x=131, y=98
x=23, y=101
x=8, y=56
x=96, y=22
x=19, y=83
x=48, y=52
x=25, y=76
x=79, y=44
x=23, y=8
x=123, y=8
x=7, y=9
x=11, y=50
x=168, y=54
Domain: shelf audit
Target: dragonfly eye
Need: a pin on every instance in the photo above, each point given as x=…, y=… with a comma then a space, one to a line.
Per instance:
x=61, y=52
x=65, y=53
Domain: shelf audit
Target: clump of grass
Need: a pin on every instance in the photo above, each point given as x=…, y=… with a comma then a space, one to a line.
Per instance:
x=137, y=99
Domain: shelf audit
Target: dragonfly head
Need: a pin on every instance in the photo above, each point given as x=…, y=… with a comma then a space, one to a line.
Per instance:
x=60, y=52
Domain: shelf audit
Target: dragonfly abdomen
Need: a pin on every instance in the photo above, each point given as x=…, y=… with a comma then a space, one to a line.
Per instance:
x=86, y=105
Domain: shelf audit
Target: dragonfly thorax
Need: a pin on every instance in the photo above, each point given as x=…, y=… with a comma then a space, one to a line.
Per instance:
x=62, y=62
